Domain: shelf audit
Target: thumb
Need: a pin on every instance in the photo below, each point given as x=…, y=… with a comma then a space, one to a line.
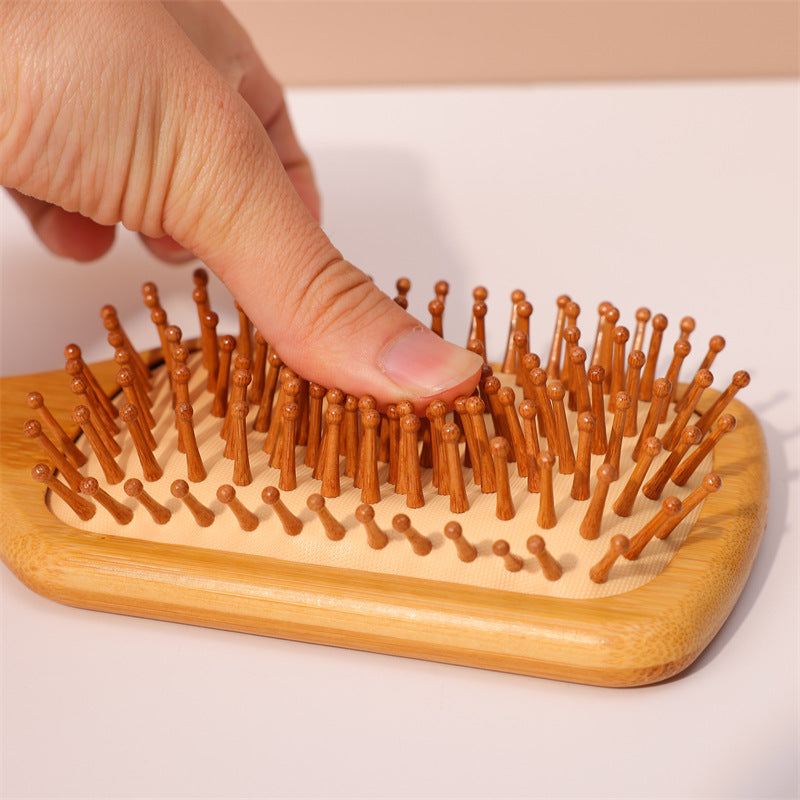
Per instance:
x=231, y=203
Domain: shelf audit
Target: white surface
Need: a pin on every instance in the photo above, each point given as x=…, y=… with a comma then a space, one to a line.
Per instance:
x=681, y=197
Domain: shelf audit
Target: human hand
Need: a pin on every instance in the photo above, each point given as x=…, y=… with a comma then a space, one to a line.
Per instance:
x=163, y=118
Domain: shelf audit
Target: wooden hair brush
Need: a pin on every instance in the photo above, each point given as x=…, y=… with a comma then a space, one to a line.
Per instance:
x=583, y=515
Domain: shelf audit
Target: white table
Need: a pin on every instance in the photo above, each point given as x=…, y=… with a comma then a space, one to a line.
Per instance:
x=682, y=197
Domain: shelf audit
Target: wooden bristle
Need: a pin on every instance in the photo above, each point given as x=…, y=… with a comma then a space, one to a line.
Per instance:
x=334, y=529
x=636, y=361
x=264, y=416
x=292, y=524
x=35, y=402
x=599, y=440
x=610, y=320
x=592, y=522
x=551, y=569
x=512, y=562
x=127, y=382
x=368, y=480
x=244, y=342
x=642, y=318
x=680, y=351
x=436, y=413
x=348, y=445
x=150, y=467
x=554, y=360
x=602, y=309
x=455, y=477
x=112, y=324
x=580, y=381
x=436, y=310
x=530, y=362
x=618, y=546
x=739, y=381
x=687, y=327
x=313, y=439
x=564, y=451
x=121, y=513
x=670, y=508
x=259, y=369
x=623, y=505
x=477, y=331
x=527, y=410
x=112, y=471
x=689, y=436
x=161, y=515
x=516, y=437
x=702, y=380
x=661, y=390
x=517, y=296
x=544, y=410
x=475, y=408
x=202, y=516
x=490, y=389
x=403, y=287
x=711, y=483
x=583, y=460
x=242, y=378
x=247, y=520
x=546, y=517
x=620, y=338
x=329, y=454
x=211, y=346
x=725, y=424
x=649, y=373
x=466, y=551
x=715, y=346
x=571, y=336
x=376, y=538
x=84, y=508
x=410, y=466
x=421, y=545
x=72, y=351
x=622, y=402
x=520, y=351
x=33, y=430
x=81, y=389
x=505, y=505
x=219, y=407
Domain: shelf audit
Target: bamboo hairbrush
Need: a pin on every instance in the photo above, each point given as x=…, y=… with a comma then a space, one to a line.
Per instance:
x=583, y=516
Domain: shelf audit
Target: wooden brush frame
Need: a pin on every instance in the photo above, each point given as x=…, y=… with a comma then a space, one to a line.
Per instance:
x=640, y=637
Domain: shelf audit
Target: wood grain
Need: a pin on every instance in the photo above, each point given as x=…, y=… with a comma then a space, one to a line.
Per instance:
x=640, y=637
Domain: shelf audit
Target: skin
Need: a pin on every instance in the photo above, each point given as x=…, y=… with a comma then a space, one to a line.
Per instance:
x=162, y=117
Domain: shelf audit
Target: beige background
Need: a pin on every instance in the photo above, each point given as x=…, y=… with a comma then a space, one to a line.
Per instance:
x=329, y=42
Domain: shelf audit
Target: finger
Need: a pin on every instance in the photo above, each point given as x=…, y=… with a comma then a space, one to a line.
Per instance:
x=265, y=96
x=167, y=249
x=227, y=47
x=67, y=234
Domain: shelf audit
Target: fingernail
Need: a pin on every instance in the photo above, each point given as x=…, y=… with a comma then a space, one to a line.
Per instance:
x=421, y=362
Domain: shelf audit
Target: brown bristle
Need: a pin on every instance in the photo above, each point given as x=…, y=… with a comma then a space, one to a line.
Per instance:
x=161, y=515
x=420, y=544
x=670, y=508
x=84, y=508
x=466, y=551
x=512, y=562
x=121, y=513
x=334, y=529
x=376, y=538
x=551, y=569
